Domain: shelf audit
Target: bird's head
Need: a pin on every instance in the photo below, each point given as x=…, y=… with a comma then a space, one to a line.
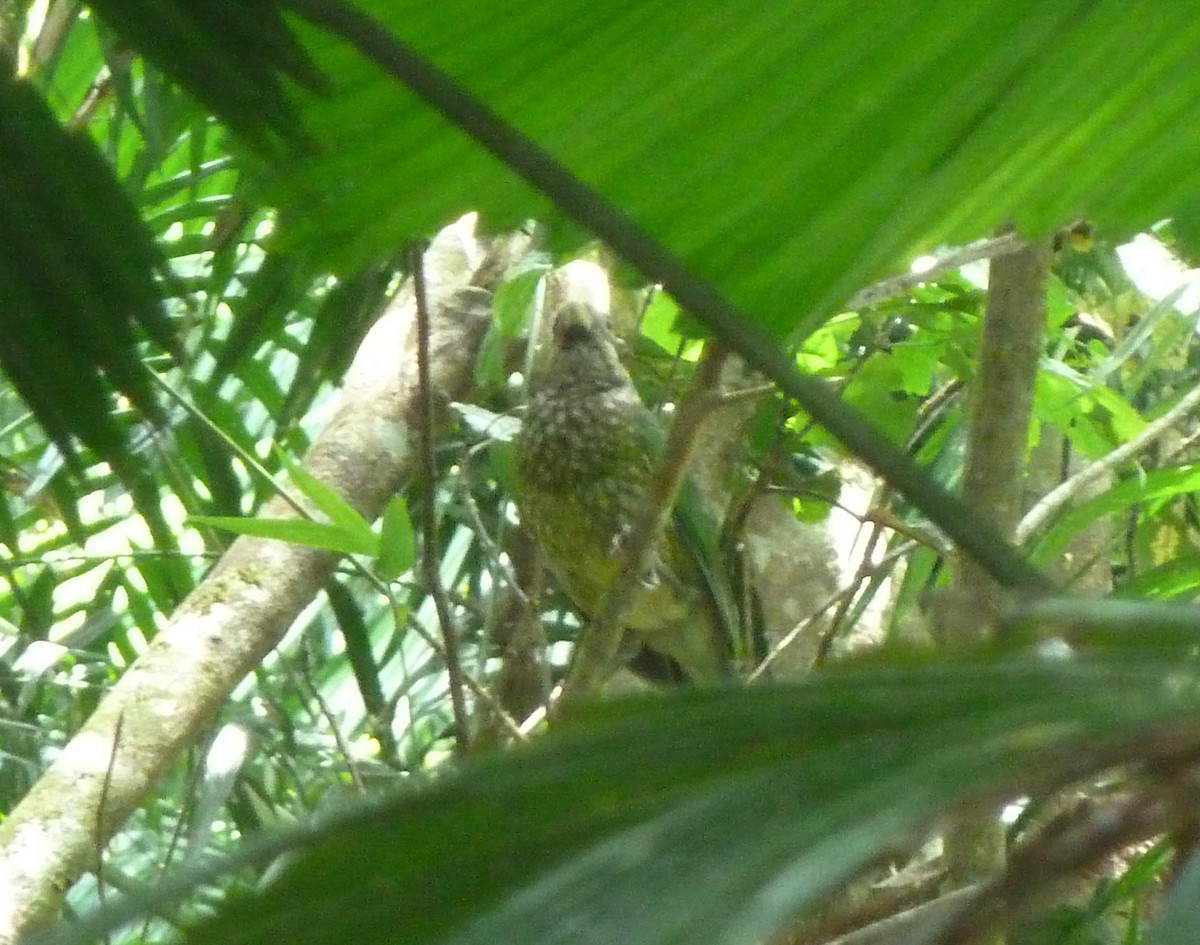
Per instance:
x=577, y=323
x=585, y=348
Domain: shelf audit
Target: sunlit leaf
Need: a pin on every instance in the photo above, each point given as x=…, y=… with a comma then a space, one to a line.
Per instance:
x=397, y=544
x=297, y=531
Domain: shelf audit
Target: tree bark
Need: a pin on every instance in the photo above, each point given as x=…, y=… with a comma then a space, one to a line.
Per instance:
x=993, y=485
x=247, y=603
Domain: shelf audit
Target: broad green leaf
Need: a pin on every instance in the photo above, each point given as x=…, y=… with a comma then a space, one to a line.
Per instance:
x=298, y=531
x=397, y=545
x=659, y=322
x=348, y=611
x=709, y=816
x=758, y=143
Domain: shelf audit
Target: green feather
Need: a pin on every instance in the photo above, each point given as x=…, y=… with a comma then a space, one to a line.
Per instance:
x=586, y=455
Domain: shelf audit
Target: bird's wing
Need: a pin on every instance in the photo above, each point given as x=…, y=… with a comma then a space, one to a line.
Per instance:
x=699, y=540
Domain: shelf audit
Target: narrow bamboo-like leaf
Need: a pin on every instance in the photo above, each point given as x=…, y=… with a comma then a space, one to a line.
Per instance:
x=236, y=59
x=1137, y=337
x=357, y=637
x=1167, y=347
x=329, y=502
x=339, y=324
x=1175, y=578
x=68, y=286
x=298, y=531
x=1154, y=486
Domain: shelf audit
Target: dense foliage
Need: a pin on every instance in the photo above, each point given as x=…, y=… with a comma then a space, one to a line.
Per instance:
x=203, y=207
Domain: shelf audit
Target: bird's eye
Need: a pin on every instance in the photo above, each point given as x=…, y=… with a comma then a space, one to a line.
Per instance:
x=572, y=334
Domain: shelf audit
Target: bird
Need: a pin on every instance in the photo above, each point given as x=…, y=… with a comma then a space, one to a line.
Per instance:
x=586, y=455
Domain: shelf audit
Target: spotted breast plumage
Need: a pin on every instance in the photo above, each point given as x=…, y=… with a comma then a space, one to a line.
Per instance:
x=586, y=454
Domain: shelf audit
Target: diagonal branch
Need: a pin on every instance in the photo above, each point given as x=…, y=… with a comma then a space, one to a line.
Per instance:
x=1055, y=500
x=237, y=614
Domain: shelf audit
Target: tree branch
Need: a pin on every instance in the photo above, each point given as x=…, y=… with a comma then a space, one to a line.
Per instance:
x=238, y=613
x=1001, y=410
x=431, y=557
x=947, y=261
x=1055, y=500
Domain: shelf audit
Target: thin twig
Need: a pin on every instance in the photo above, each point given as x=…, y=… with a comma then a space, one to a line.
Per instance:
x=962, y=915
x=246, y=456
x=490, y=548
x=146, y=554
x=887, y=898
x=832, y=601
x=101, y=827
x=1055, y=500
x=947, y=260
x=927, y=415
x=865, y=568
x=186, y=812
x=734, y=398
x=327, y=714
x=886, y=931
x=740, y=506
x=102, y=87
x=1182, y=447
x=397, y=610
x=431, y=555
x=527, y=610
x=597, y=647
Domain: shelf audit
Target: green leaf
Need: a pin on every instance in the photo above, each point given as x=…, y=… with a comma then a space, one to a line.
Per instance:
x=691, y=127
x=397, y=546
x=1157, y=486
x=298, y=531
x=708, y=816
x=236, y=59
x=1176, y=578
x=1139, y=336
x=489, y=363
x=328, y=501
x=77, y=274
x=659, y=322
x=513, y=303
